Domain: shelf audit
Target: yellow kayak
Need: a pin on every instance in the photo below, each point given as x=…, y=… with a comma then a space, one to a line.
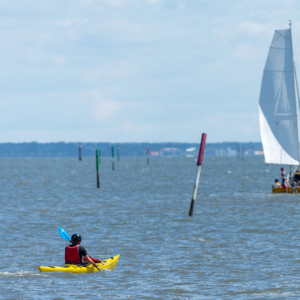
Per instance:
x=109, y=263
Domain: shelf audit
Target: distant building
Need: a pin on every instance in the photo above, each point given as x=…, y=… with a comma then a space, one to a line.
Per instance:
x=258, y=152
x=191, y=152
x=211, y=152
x=155, y=153
x=249, y=152
x=231, y=152
x=170, y=152
x=193, y=149
x=220, y=152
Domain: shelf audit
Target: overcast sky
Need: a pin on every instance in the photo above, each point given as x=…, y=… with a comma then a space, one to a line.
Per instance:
x=136, y=70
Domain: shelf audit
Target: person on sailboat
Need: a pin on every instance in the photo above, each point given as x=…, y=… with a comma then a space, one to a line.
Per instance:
x=283, y=176
x=277, y=184
x=295, y=180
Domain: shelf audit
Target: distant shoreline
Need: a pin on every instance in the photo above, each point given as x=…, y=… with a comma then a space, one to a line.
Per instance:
x=62, y=149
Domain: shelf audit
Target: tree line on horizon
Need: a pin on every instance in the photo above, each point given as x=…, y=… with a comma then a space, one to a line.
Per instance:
x=35, y=149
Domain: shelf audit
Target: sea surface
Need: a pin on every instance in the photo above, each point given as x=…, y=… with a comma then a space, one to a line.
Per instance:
x=241, y=243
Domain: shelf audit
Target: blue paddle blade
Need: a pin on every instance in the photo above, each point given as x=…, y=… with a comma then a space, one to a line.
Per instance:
x=63, y=234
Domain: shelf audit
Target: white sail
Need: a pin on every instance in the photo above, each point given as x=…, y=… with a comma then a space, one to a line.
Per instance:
x=277, y=103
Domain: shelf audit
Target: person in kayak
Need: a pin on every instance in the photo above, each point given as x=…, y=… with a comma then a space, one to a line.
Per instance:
x=75, y=253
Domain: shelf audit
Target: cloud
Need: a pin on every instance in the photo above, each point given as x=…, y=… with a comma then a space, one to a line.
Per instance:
x=153, y=1
x=250, y=27
x=120, y=70
x=150, y=69
x=134, y=128
x=59, y=60
x=106, y=109
x=103, y=109
x=70, y=22
x=247, y=53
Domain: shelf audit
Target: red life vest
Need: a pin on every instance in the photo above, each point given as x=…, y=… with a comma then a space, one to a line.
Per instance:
x=72, y=255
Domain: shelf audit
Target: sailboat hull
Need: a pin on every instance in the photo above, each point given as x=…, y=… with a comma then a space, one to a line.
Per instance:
x=288, y=190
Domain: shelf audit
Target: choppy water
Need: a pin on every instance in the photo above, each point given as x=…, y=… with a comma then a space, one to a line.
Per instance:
x=241, y=243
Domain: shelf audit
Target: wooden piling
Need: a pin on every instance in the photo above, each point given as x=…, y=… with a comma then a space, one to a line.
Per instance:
x=79, y=151
x=112, y=156
x=97, y=168
x=199, y=164
x=147, y=155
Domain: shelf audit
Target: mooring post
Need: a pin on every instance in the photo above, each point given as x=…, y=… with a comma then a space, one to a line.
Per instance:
x=147, y=155
x=79, y=151
x=199, y=164
x=118, y=152
x=112, y=156
x=97, y=169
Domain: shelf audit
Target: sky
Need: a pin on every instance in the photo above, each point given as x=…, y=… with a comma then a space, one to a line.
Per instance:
x=136, y=70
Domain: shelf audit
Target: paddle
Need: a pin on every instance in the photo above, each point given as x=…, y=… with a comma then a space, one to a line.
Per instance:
x=65, y=236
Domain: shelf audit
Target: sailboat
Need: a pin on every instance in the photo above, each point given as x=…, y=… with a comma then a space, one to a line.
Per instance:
x=278, y=104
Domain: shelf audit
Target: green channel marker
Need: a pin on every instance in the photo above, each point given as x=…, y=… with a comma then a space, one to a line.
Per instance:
x=97, y=168
x=112, y=156
x=79, y=151
x=147, y=155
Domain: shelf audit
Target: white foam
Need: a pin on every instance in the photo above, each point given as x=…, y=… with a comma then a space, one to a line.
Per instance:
x=21, y=274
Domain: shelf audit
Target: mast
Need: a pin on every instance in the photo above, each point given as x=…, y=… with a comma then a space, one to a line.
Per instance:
x=296, y=88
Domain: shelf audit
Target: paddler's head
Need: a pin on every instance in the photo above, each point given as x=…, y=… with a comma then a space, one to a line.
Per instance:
x=276, y=180
x=282, y=169
x=76, y=239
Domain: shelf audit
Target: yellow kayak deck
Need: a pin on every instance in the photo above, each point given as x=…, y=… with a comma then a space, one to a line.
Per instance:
x=109, y=263
x=288, y=190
